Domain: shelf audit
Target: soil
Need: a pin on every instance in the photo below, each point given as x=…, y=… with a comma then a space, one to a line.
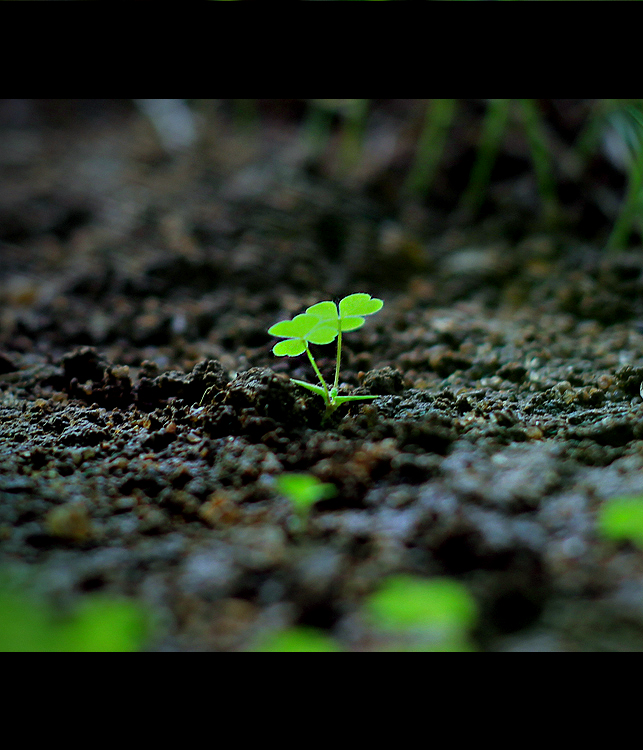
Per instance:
x=507, y=360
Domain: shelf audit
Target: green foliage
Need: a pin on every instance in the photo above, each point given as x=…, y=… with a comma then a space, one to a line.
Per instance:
x=409, y=615
x=621, y=116
x=304, y=490
x=322, y=323
x=533, y=125
x=405, y=601
x=350, y=314
x=437, y=121
x=99, y=624
x=627, y=120
x=345, y=120
x=318, y=127
x=500, y=113
x=300, y=639
x=432, y=142
x=493, y=129
x=299, y=332
x=427, y=615
x=621, y=519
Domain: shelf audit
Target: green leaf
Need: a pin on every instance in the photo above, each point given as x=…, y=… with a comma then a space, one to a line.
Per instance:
x=322, y=334
x=339, y=400
x=314, y=388
x=99, y=624
x=409, y=602
x=351, y=323
x=289, y=348
x=304, y=490
x=324, y=311
x=298, y=327
x=105, y=625
x=359, y=304
x=622, y=519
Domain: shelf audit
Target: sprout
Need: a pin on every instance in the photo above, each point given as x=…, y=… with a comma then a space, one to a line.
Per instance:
x=425, y=615
x=322, y=323
x=621, y=519
x=304, y=490
x=406, y=601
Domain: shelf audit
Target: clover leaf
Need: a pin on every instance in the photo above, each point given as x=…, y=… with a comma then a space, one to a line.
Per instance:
x=304, y=490
x=297, y=332
x=351, y=311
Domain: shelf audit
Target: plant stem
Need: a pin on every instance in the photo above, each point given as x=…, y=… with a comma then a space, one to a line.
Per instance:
x=339, y=357
x=319, y=375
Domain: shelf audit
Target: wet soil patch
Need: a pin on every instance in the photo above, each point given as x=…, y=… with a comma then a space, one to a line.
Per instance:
x=144, y=420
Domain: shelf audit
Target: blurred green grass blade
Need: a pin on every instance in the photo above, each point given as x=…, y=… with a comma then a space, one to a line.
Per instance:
x=540, y=155
x=493, y=130
x=352, y=134
x=437, y=121
x=628, y=121
x=631, y=210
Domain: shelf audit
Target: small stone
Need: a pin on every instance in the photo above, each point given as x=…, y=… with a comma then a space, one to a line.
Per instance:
x=70, y=521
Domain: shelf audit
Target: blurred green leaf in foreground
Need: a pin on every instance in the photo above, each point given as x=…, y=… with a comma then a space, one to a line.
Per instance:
x=621, y=519
x=98, y=624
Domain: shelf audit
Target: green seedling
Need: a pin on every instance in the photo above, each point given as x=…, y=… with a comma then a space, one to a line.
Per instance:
x=425, y=615
x=621, y=519
x=303, y=491
x=322, y=324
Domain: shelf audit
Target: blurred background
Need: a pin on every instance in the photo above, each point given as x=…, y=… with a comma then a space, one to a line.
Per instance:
x=192, y=224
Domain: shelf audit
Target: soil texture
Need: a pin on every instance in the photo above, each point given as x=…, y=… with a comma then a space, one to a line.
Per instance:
x=137, y=274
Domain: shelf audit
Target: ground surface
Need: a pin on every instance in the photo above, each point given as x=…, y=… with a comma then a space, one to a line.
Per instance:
x=507, y=359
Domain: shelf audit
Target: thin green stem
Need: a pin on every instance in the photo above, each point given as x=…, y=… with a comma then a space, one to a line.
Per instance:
x=339, y=358
x=319, y=375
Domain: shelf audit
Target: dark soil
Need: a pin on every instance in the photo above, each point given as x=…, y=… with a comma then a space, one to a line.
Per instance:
x=507, y=360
